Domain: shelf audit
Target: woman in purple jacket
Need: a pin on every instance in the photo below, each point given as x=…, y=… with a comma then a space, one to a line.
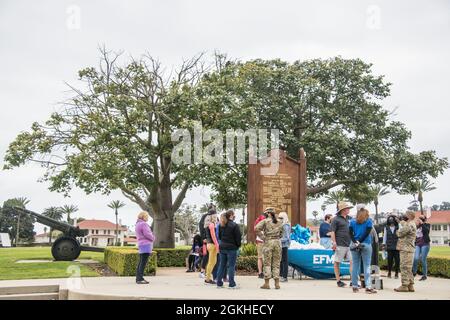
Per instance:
x=145, y=240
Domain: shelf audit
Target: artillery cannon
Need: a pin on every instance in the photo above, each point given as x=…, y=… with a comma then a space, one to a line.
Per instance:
x=66, y=247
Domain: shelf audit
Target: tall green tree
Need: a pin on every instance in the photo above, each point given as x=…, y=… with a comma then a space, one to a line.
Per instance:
x=378, y=191
x=68, y=210
x=54, y=213
x=116, y=205
x=115, y=133
x=333, y=109
x=17, y=225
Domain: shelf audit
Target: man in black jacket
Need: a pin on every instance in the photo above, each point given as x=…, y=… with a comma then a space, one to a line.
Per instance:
x=230, y=242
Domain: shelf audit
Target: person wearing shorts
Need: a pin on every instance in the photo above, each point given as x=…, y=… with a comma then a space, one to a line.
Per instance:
x=340, y=237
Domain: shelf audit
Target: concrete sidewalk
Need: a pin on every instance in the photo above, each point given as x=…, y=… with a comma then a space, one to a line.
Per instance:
x=174, y=283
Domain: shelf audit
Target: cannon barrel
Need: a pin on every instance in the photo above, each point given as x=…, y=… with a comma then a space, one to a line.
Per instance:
x=64, y=227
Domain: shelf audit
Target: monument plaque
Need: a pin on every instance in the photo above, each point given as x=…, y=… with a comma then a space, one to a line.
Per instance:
x=284, y=189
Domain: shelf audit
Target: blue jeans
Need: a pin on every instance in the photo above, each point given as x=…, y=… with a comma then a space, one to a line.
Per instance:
x=421, y=253
x=227, y=257
x=366, y=254
x=143, y=259
x=325, y=242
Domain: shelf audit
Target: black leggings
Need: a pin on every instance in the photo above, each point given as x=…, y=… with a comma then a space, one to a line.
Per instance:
x=191, y=261
x=284, y=262
x=205, y=260
x=393, y=256
x=143, y=259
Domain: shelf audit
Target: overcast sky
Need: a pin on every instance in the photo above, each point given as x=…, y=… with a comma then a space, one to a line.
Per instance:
x=44, y=43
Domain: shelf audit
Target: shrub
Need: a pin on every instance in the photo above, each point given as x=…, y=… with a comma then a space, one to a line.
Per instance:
x=124, y=261
x=172, y=257
x=247, y=263
x=439, y=267
x=249, y=249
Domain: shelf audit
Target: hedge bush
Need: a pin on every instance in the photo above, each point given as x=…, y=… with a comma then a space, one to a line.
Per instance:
x=247, y=263
x=249, y=249
x=124, y=261
x=172, y=257
x=439, y=267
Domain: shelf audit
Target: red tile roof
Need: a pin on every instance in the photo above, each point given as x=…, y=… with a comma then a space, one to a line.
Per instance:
x=438, y=217
x=99, y=224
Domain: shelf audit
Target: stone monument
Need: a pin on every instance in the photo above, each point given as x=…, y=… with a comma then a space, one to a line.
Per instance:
x=284, y=188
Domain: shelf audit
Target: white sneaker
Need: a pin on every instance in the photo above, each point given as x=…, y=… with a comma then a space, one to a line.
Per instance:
x=201, y=275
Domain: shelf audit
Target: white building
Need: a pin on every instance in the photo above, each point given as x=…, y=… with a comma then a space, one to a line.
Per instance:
x=42, y=238
x=102, y=233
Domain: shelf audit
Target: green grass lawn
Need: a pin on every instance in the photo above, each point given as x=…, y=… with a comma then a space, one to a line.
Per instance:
x=440, y=252
x=10, y=270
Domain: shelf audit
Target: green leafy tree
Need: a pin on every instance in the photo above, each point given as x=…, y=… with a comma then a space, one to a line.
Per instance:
x=115, y=134
x=332, y=108
x=20, y=227
x=444, y=206
x=68, y=210
x=54, y=213
x=116, y=205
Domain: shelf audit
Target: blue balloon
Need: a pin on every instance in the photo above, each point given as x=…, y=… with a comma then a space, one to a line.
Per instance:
x=300, y=234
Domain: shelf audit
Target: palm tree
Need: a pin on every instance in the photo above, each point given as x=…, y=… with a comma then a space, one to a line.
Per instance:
x=116, y=205
x=54, y=213
x=418, y=187
x=45, y=230
x=334, y=197
x=68, y=210
x=315, y=214
x=378, y=191
x=423, y=186
x=323, y=207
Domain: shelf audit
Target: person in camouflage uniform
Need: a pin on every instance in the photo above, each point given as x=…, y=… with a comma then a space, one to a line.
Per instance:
x=270, y=230
x=406, y=246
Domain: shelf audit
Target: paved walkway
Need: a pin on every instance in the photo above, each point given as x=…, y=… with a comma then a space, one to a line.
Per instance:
x=174, y=283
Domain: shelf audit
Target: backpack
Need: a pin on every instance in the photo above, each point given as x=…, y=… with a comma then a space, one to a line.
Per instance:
x=201, y=226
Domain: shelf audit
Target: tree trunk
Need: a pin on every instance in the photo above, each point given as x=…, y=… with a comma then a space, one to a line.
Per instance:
x=117, y=231
x=164, y=222
x=420, y=198
x=164, y=230
x=18, y=229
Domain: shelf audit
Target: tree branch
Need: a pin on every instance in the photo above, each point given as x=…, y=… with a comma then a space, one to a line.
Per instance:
x=179, y=200
x=331, y=183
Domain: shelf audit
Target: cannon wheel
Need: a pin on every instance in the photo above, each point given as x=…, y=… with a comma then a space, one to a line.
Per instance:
x=66, y=249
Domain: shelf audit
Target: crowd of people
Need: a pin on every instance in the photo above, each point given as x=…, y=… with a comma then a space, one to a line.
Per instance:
x=216, y=248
